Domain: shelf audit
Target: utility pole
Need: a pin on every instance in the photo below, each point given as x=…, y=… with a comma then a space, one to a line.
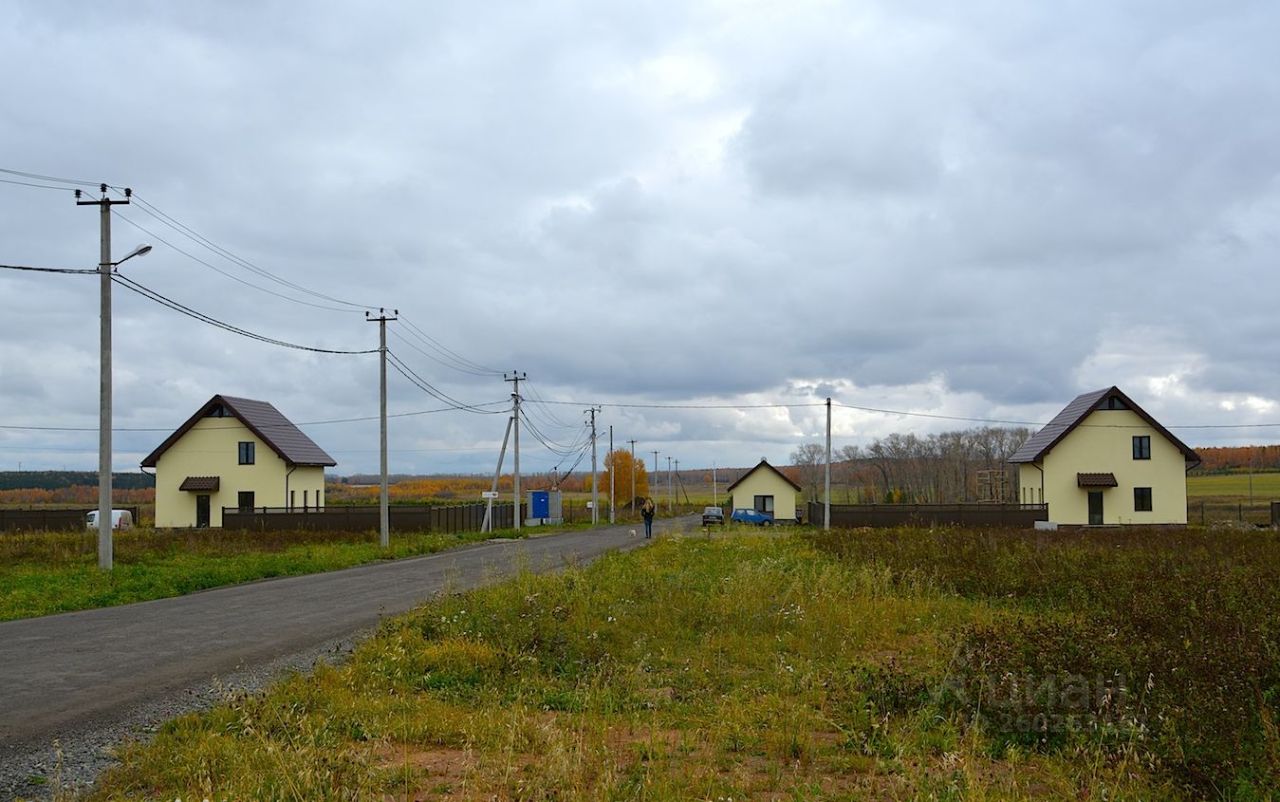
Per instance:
x=613, y=470
x=595, y=497
x=671, y=490
x=655, y=472
x=826, y=505
x=515, y=377
x=715, y=498
x=105, y=265
x=487, y=524
x=633, y=476
x=384, y=508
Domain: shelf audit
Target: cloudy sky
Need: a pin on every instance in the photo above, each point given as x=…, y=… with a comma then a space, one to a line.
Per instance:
x=976, y=209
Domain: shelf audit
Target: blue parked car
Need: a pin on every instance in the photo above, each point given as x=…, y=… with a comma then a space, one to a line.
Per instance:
x=748, y=516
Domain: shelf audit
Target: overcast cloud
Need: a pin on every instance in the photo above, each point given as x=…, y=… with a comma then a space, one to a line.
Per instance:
x=976, y=209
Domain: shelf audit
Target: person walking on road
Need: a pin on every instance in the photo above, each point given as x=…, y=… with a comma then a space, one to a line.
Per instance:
x=647, y=510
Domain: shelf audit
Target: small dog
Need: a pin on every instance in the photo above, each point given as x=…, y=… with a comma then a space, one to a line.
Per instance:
x=633, y=533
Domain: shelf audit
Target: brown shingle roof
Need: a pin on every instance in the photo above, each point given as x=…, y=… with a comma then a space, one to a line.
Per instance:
x=1074, y=414
x=764, y=464
x=264, y=420
x=201, y=484
x=1096, y=480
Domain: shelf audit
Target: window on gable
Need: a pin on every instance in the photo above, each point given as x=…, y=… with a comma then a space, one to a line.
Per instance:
x=246, y=453
x=1142, y=446
x=1142, y=499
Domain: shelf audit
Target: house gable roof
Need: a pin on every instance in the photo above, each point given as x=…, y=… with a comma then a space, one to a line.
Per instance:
x=763, y=464
x=1074, y=414
x=265, y=421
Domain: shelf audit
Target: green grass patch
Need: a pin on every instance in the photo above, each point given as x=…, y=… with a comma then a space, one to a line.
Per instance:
x=852, y=665
x=1234, y=485
x=55, y=572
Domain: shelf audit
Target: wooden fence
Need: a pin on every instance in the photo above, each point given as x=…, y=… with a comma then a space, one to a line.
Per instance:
x=51, y=520
x=887, y=515
x=460, y=518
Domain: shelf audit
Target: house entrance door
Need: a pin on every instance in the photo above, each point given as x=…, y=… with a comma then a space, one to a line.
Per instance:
x=1095, y=508
x=202, y=512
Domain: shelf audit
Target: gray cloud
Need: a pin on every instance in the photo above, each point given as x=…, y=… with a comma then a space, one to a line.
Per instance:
x=972, y=209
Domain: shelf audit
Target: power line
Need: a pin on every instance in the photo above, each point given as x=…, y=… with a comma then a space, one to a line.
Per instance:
x=41, y=177
x=426, y=386
x=150, y=294
x=329, y=421
x=681, y=406
x=231, y=276
x=461, y=363
x=186, y=231
x=68, y=270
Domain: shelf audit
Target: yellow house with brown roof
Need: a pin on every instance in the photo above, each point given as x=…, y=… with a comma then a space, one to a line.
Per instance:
x=235, y=452
x=765, y=489
x=1103, y=460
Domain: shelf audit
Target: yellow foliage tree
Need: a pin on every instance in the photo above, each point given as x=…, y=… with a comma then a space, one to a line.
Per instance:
x=621, y=461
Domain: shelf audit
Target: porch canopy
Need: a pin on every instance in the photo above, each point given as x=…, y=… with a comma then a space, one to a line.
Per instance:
x=1096, y=480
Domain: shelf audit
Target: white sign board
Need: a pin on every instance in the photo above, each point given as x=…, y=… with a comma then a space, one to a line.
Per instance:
x=488, y=494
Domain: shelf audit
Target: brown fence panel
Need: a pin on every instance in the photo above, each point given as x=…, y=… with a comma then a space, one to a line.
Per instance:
x=461, y=518
x=53, y=520
x=846, y=516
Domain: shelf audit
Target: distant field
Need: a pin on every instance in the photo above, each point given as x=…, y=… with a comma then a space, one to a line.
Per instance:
x=1265, y=486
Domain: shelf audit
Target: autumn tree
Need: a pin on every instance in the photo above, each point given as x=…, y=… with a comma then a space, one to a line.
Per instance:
x=625, y=465
x=810, y=460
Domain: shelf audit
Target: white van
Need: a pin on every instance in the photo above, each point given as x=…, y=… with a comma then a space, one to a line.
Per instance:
x=120, y=519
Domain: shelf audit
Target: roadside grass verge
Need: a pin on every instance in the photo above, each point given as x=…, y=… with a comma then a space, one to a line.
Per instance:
x=739, y=667
x=54, y=572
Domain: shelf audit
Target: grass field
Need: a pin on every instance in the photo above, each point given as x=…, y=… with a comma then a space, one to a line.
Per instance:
x=854, y=665
x=1266, y=486
x=55, y=572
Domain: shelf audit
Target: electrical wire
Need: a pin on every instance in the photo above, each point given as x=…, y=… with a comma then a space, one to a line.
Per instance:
x=680, y=406
x=41, y=177
x=426, y=386
x=229, y=275
x=150, y=294
x=164, y=218
x=456, y=360
x=68, y=270
x=361, y=419
x=32, y=184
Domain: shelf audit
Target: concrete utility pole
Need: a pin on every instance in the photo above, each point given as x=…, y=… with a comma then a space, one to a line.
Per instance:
x=384, y=502
x=516, y=377
x=105, y=266
x=633, y=476
x=715, y=498
x=487, y=524
x=613, y=470
x=595, y=497
x=826, y=506
x=671, y=490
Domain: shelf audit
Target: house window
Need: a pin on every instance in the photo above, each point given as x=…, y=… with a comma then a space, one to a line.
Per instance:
x=244, y=500
x=246, y=453
x=305, y=499
x=1142, y=499
x=292, y=496
x=764, y=504
x=1142, y=446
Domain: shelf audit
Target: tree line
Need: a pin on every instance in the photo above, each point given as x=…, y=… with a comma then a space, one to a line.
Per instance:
x=967, y=465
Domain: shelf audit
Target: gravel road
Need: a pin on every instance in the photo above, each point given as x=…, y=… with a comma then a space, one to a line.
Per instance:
x=73, y=686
